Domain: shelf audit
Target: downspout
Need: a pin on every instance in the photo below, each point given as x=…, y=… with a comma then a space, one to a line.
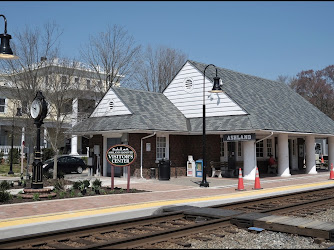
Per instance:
x=264, y=137
x=141, y=153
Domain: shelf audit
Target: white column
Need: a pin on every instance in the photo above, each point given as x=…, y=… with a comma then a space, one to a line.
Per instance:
x=283, y=156
x=22, y=148
x=310, y=155
x=330, y=151
x=74, y=139
x=249, y=160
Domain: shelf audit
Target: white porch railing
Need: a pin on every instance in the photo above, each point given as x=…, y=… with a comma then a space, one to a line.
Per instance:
x=5, y=149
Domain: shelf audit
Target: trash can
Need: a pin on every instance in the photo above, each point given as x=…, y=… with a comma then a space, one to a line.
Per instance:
x=152, y=173
x=164, y=170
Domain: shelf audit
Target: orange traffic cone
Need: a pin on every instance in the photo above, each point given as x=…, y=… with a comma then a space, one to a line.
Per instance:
x=331, y=175
x=322, y=159
x=240, y=182
x=257, y=180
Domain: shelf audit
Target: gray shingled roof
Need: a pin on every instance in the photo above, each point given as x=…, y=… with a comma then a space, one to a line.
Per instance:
x=150, y=111
x=271, y=106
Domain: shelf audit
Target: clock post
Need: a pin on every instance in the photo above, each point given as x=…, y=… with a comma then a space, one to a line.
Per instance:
x=38, y=112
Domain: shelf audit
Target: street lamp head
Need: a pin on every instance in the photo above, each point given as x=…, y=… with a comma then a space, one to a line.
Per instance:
x=5, y=50
x=216, y=86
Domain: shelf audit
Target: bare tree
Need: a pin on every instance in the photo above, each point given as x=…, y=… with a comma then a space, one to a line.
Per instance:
x=38, y=68
x=158, y=67
x=31, y=46
x=112, y=55
x=284, y=79
x=317, y=87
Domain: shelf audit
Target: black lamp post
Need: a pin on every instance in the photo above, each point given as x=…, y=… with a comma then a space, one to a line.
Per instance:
x=5, y=50
x=18, y=113
x=215, y=89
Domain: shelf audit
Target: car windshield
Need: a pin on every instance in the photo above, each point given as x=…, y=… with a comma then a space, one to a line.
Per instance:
x=49, y=160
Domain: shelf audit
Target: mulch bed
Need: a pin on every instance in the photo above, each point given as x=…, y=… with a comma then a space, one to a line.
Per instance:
x=60, y=194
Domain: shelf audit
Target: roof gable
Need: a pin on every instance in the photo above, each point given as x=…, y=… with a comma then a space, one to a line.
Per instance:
x=110, y=105
x=186, y=92
x=271, y=105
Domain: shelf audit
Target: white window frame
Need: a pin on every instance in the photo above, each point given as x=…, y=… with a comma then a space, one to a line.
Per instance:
x=166, y=147
x=263, y=149
x=223, y=146
x=271, y=147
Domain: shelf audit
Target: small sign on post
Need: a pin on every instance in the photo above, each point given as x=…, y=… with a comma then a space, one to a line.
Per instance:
x=120, y=155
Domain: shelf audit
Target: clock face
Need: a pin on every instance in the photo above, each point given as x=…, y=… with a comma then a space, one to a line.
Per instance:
x=36, y=108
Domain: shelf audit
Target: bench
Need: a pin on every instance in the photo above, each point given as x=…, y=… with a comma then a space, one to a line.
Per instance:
x=221, y=169
x=272, y=169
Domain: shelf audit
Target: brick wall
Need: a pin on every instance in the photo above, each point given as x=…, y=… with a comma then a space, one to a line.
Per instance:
x=148, y=157
x=180, y=147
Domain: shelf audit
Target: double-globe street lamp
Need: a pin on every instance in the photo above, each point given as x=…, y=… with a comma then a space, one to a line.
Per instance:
x=215, y=89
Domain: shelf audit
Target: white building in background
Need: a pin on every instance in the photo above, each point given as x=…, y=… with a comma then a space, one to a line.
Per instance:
x=81, y=102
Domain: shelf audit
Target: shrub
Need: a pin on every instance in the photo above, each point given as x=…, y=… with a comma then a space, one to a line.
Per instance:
x=5, y=196
x=77, y=184
x=35, y=197
x=16, y=155
x=86, y=183
x=60, y=184
x=72, y=193
x=62, y=194
x=97, y=183
x=47, y=153
x=4, y=185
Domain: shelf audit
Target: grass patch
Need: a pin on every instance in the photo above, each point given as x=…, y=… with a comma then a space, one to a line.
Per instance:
x=4, y=169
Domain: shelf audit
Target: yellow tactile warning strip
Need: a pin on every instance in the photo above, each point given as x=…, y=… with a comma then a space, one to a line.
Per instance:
x=145, y=205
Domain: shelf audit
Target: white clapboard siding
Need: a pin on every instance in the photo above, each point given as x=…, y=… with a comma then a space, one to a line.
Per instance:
x=190, y=101
x=104, y=108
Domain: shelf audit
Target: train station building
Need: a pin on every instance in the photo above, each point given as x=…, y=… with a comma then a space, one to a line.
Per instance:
x=252, y=119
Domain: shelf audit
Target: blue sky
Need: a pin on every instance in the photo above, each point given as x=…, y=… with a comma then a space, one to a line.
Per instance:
x=265, y=39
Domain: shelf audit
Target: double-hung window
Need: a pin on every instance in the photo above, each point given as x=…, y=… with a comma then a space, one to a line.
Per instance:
x=2, y=105
x=161, y=147
x=259, y=149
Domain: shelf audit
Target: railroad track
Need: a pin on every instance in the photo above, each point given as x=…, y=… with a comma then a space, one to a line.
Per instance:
x=173, y=224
